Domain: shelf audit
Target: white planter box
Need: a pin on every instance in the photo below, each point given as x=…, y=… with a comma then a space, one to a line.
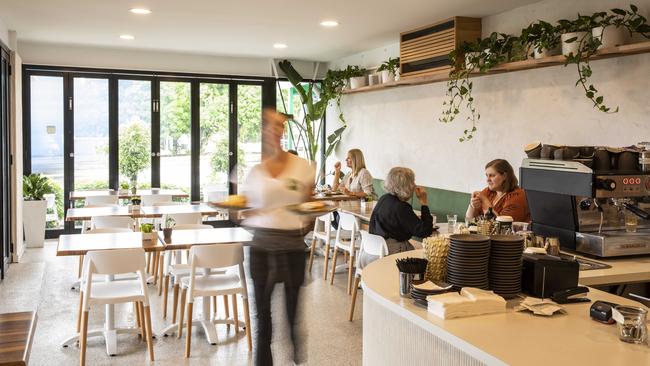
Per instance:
x=358, y=82
x=387, y=76
x=612, y=36
x=34, y=223
x=569, y=48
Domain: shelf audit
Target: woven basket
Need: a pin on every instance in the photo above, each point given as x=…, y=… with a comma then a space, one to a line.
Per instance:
x=435, y=251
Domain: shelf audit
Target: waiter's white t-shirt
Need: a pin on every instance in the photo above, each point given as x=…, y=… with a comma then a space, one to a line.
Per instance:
x=271, y=195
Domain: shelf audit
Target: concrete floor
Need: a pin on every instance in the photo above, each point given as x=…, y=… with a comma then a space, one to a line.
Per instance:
x=42, y=281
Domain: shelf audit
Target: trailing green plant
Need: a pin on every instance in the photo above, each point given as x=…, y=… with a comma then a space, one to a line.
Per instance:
x=391, y=65
x=36, y=186
x=479, y=56
x=315, y=98
x=354, y=71
x=541, y=36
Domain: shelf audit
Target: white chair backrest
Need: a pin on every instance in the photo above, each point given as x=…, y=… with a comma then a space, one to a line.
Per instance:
x=149, y=200
x=98, y=222
x=193, y=227
x=101, y=205
x=108, y=230
x=167, y=203
x=187, y=218
x=347, y=222
x=216, y=256
x=113, y=262
x=373, y=244
x=325, y=221
x=100, y=200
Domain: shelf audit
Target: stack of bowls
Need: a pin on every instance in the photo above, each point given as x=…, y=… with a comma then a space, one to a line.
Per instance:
x=505, y=264
x=467, y=260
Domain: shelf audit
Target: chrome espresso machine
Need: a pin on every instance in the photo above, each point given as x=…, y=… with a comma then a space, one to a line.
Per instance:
x=604, y=212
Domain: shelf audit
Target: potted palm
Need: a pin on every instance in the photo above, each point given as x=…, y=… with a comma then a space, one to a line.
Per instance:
x=388, y=70
x=35, y=187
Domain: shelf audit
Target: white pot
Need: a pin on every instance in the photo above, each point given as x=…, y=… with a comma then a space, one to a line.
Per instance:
x=612, y=37
x=573, y=47
x=358, y=82
x=34, y=223
x=546, y=52
x=387, y=76
x=373, y=79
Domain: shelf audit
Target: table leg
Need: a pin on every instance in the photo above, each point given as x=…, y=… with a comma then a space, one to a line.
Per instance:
x=206, y=322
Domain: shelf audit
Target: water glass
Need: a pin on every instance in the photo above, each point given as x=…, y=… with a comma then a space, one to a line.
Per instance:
x=631, y=221
x=451, y=223
x=631, y=322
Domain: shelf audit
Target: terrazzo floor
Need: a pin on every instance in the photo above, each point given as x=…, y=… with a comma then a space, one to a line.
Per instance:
x=42, y=281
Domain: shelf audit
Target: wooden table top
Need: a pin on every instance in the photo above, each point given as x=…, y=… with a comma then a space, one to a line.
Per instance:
x=354, y=208
x=185, y=239
x=16, y=337
x=156, y=211
x=80, y=244
x=334, y=197
x=86, y=213
x=81, y=195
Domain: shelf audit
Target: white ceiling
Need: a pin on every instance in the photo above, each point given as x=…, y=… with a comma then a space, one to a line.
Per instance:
x=236, y=27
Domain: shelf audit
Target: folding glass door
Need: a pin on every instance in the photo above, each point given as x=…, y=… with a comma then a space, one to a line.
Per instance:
x=5, y=165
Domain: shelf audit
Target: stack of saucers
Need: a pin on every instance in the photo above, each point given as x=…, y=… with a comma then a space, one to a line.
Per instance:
x=505, y=265
x=467, y=260
x=421, y=291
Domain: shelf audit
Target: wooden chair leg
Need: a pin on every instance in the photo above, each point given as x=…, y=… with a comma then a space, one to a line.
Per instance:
x=154, y=270
x=81, y=304
x=83, y=337
x=148, y=334
x=214, y=307
x=354, y=297
x=346, y=257
x=141, y=324
x=148, y=264
x=327, y=259
x=311, y=253
x=161, y=264
x=226, y=310
x=175, y=302
x=247, y=319
x=181, y=313
x=81, y=265
x=188, y=337
x=333, y=266
x=165, y=287
x=350, y=273
x=234, y=313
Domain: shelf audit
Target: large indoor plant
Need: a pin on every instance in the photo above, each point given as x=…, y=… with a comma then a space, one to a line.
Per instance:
x=35, y=187
x=315, y=97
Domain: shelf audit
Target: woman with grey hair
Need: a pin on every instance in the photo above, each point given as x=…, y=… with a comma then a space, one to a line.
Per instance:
x=393, y=217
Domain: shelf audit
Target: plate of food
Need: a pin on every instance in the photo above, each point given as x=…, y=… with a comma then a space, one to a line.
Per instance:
x=312, y=208
x=233, y=202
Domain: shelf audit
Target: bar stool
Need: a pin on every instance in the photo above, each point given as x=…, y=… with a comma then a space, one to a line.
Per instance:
x=373, y=245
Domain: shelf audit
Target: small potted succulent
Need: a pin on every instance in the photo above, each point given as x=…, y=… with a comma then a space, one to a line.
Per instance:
x=124, y=188
x=357, y=77
x=167, y=229
x=147, y=232
x=135, y=203
x=388, y=70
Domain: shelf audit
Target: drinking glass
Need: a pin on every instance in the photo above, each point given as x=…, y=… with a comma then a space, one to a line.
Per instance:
x=631, y=222
x=631, y=323
x=451, y=223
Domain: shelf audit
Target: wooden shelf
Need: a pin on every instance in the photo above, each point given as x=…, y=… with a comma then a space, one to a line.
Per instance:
x=624, y=50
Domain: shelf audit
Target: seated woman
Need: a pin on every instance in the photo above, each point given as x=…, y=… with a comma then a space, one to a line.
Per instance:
x=502, y=194
x=357, y=182
x=393, y=217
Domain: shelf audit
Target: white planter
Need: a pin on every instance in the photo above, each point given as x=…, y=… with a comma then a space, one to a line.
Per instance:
x=387, y=76
x=612, y=36
x=34, y=223
x=373, y=79
x=573, y=47
x=546, y=52
x=150, y=236
x=358, y=82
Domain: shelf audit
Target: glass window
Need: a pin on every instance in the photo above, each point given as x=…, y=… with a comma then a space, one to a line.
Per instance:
x=134, y=113
x=214, y=160
x=175, y=136
x=249, y=120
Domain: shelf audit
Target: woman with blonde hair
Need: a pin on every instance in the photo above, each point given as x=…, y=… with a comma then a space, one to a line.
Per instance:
x=358, y=182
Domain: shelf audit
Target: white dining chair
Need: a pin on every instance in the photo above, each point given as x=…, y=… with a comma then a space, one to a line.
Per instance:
x=191, y=218
x=371, y=245
x=98, y=222
x=347, y=222
x=205, y=258
x=322, y=233
x=111, y=263
x=101, y=200
x=149, y=200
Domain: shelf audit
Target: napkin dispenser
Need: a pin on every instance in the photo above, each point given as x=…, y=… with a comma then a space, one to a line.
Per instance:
x=543, y=275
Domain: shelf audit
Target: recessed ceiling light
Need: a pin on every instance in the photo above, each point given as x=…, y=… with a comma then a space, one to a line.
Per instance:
x=140, y=11
x=128, y=37
x=279, y=45
x=329, y=23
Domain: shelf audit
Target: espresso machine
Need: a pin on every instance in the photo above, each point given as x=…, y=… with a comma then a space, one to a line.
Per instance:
x=605, y=213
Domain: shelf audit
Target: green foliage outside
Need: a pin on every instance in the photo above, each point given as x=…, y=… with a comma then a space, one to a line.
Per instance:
x=134, y=150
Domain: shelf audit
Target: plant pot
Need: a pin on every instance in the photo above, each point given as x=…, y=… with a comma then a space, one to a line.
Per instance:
x=134, y=190
x=167, y=233
x=612, y=36
x=149, y=236
x=545, y=52
x=387, y=76
x=373, y=79
x=123, y=191
x=358, y=82
x=34, y=223
x=134, y=208
x=573, y=47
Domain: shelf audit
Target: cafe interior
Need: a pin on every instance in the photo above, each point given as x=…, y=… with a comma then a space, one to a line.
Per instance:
x=342, y=183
